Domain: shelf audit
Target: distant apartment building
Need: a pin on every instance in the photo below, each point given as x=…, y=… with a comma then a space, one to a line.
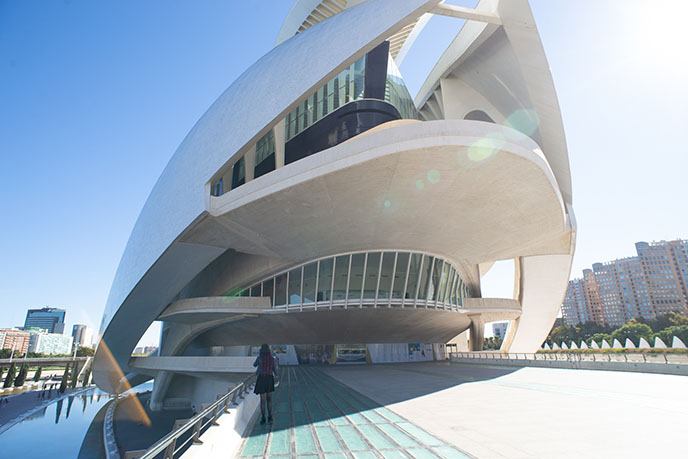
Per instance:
x=82, y=335
x=49, y=343
x=650, y=284
x=145, y=350
x=51, y=319
x=499, y=329
x=17, y=340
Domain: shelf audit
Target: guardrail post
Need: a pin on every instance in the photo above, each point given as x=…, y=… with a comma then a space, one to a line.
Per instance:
x=169, y=451
x=197, y=432
x=215, y=415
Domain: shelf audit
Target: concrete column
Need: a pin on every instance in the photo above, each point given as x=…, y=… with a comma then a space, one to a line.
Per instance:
x=279, y=144
x=461, y=341
x=477, y=333
x=509, y=336
x=160, y=386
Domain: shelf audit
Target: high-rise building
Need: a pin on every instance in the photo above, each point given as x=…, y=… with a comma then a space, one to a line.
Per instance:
x=650, y=284
x=51, y=319
x=83, y=335
x=499, y=329
x=16, y=340
x=49, y=343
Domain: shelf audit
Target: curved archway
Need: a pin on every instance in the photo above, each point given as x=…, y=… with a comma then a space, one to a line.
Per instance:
x=478, y=115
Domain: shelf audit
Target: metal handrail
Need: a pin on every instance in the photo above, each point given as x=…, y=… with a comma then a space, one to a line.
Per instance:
x=569, y=357
x=168, y=443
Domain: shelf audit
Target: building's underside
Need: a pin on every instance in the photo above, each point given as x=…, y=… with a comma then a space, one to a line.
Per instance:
x=338, y=210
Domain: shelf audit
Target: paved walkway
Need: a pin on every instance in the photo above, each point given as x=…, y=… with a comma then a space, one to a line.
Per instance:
x=21, y=405
x=319, y=417
x=509, y=412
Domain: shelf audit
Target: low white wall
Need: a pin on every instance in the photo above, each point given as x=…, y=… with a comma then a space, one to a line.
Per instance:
x=639, y=367
x=225, y=439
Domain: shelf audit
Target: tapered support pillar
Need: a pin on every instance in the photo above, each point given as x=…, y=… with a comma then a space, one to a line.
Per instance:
x=477, y=333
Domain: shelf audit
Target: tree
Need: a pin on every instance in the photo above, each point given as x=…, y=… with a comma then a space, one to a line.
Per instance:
x=598, y=337
x=588, y=329
x=667, y=335
x=9, y=379
x=492, y=343
x=85, y=352
x=37, y=375
x=65, y=379
x=21, y=377
x=678, y=319
x=75, y=375
x=632, y=330
x=564, y=333
x=87, y=374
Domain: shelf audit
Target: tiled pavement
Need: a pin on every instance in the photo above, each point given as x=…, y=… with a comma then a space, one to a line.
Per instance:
x=316, y=416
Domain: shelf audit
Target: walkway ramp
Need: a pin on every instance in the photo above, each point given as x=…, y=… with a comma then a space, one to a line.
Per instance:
x=317, y=416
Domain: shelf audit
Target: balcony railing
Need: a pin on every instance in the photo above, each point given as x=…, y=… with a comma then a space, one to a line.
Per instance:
x=207, y=417
x=574, y=357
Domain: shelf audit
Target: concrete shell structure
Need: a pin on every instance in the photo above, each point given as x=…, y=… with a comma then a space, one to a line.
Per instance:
x=339, y=210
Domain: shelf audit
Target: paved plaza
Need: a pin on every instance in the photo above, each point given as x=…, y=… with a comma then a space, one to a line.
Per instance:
x=506, y=412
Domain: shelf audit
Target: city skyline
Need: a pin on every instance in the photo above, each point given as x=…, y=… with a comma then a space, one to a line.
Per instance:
x=66, y=254
x=652, y=283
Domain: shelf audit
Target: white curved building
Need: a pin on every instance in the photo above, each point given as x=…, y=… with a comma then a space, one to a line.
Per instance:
x=316, y=202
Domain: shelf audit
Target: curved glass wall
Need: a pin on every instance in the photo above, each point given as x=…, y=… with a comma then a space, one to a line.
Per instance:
x=397, y=94
x=374, y=76
x=366, y=279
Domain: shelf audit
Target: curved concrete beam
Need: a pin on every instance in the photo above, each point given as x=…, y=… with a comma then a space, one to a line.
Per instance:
x=229, y=127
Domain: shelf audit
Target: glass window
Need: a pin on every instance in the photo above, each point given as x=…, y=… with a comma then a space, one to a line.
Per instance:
x=356, y=279
x=255, y=290
x=386, y=274
x=238, y=176
x=295, y=286
x=426, y=270
x=325, y=280
x=414, y=275
x=455, y=286
x=450, y=283
x=265, y=155
x=400, y=275
x=442, y=289
x=372, y=270
x=217, y=188
x=435, y=279
x=309, y=272
x=268, y=287
x=341, y=274
x=281, y=290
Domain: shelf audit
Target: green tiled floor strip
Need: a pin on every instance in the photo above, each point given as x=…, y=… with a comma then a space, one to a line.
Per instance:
x=316, y=416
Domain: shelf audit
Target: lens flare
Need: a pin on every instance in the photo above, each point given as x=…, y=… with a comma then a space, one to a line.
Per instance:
x=524, y=120
x=420, y=184
x=433, y=176
x=387, y=204
x=484, y=148
x=139, y=413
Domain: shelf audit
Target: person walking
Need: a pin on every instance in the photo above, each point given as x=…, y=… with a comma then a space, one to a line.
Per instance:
x=266, y=369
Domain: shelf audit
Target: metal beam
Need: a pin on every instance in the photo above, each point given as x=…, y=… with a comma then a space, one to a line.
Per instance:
x=469, y=14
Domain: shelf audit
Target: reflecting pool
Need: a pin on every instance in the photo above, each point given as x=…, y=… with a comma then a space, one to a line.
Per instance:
x=68, y=428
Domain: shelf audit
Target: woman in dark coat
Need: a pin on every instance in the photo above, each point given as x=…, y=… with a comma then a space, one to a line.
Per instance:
x=265, y=382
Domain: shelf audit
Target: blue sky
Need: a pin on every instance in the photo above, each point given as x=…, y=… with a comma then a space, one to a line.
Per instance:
x=96, y=96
